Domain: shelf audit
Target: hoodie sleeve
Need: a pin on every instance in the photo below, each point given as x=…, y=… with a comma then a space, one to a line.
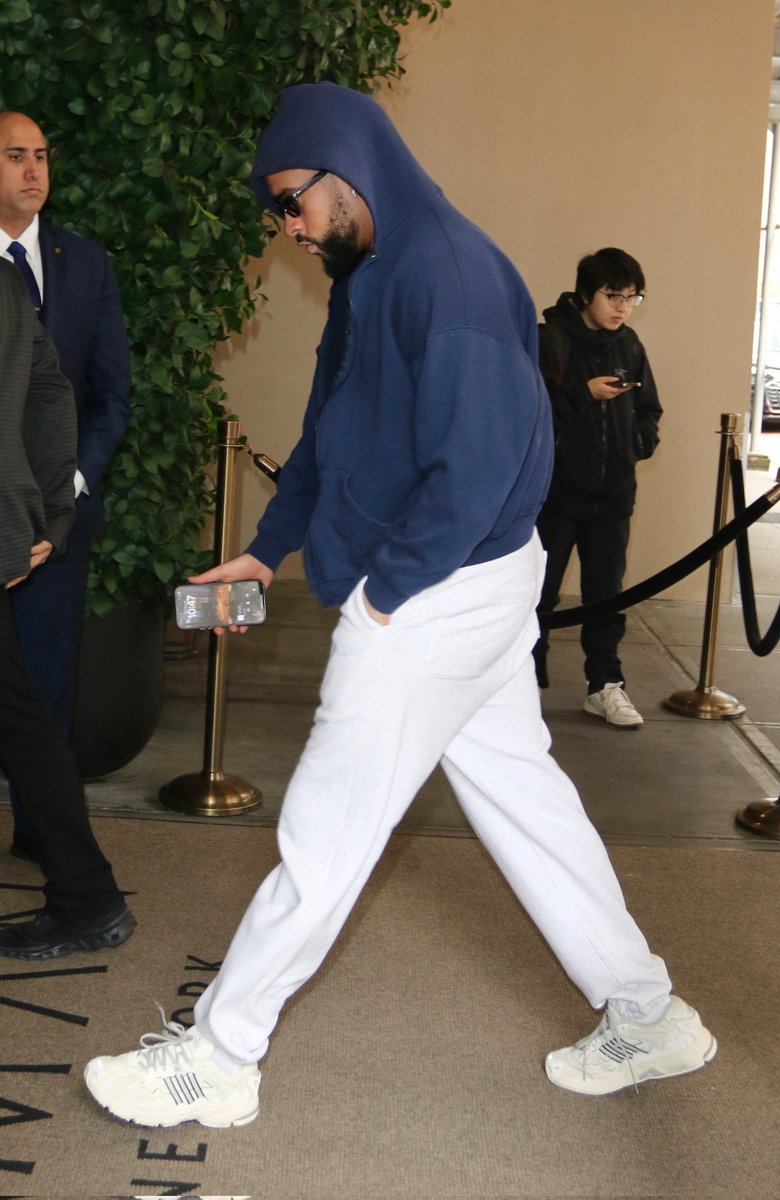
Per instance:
x=483, y=456
x=282, y=528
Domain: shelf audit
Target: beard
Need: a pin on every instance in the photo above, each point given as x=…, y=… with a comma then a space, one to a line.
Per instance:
x=340, y=252
x=340, y=248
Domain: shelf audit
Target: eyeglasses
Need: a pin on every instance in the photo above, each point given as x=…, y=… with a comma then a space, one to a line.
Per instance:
x=618, y=300
x=288, y=205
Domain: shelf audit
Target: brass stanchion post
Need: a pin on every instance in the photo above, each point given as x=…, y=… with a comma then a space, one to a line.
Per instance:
x=706, y=701
x=212, y=793
x=762, y=816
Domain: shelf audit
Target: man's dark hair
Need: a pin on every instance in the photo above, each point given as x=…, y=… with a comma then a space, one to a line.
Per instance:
x=608, y=268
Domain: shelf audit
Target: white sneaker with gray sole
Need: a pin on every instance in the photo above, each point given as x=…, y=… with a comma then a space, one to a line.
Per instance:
x=613, y=706
x=622, y=1053
x=174, y=1078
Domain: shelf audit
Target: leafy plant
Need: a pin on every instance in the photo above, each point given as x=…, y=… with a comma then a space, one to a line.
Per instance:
x=152, y=109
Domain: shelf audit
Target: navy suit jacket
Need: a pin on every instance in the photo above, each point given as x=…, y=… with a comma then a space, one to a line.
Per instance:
x=82, y=312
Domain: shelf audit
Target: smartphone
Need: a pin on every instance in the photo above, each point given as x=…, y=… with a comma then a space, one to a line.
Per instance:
x=206, y=605
x=624, y=384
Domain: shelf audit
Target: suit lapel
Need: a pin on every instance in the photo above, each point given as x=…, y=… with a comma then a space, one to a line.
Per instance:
x=52, y=260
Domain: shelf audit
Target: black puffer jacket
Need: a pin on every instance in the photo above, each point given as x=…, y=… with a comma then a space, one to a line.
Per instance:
x=597, y=442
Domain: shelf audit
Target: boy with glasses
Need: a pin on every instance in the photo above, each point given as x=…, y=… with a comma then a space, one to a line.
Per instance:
x=605, y=412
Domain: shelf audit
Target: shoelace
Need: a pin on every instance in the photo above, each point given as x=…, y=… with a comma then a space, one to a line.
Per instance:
x=606, y=1026
x=619, y=698
x=167, y=1048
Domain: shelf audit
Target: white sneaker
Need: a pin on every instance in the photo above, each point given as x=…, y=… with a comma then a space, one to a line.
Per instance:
x=622, y=1053
x=174, y=1078
x=613, y=706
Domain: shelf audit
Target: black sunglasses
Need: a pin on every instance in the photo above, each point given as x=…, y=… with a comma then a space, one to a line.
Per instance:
x=288, y=205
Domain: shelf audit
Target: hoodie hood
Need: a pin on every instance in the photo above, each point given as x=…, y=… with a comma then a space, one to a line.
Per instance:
x=325, y=125
x=566, y=313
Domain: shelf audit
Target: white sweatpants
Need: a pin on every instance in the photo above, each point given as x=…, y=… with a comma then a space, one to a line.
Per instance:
x=449, y=680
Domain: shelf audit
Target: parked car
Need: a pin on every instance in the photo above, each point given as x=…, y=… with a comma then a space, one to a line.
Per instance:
x=771, y=350
x=771, y=417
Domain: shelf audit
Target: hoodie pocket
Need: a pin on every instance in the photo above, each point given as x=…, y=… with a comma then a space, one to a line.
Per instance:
x=341, y=537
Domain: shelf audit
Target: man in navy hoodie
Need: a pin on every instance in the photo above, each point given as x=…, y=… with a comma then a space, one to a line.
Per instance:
x=424, y=459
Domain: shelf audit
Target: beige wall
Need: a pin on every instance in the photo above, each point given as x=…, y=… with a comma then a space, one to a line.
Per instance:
x=560, y=126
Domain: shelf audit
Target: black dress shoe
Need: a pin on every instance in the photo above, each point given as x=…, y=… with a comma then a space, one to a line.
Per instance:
x=51, y=937
x=22, y=847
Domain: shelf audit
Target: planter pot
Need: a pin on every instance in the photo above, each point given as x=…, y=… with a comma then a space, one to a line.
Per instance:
x=120, y=686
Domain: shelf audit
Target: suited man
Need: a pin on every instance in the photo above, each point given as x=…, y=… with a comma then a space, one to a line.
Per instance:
x=72, y=285
x=84, y=909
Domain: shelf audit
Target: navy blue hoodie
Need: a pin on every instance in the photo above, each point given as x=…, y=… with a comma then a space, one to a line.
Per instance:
x=427, y=441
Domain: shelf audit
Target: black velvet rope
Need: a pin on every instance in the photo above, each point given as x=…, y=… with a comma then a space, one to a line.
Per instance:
x=734, y=530
x=761, y=646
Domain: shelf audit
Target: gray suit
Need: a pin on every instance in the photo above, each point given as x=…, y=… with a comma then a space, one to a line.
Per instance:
x=37, y=433
x=37, y=464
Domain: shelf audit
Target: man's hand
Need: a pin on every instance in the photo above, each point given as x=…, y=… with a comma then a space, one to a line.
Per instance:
x=374, y=613
x=39, y=553
x=246, y=566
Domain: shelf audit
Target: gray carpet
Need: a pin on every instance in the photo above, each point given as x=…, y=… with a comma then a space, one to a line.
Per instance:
x=411, y=1066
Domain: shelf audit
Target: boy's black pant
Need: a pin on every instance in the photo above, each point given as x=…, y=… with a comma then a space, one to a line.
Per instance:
x=601, y=548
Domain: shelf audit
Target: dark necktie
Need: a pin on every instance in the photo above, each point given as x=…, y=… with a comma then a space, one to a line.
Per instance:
x=20, y=260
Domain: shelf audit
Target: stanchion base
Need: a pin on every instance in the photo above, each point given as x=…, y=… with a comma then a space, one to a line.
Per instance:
x=207, y=795
x=762, y=816
x=706, y=703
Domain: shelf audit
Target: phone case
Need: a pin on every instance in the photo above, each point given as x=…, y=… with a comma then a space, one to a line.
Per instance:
x=206, y=605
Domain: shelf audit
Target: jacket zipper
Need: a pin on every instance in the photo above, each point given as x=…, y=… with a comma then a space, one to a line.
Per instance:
x=347, y=341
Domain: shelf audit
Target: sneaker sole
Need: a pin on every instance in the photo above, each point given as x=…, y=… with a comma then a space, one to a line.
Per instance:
x=214, y=1122
x=107, y=939
x=665, y=1069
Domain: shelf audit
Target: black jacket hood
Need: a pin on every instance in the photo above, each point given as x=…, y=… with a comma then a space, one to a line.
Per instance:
x=566, y=313
x=325, y=125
